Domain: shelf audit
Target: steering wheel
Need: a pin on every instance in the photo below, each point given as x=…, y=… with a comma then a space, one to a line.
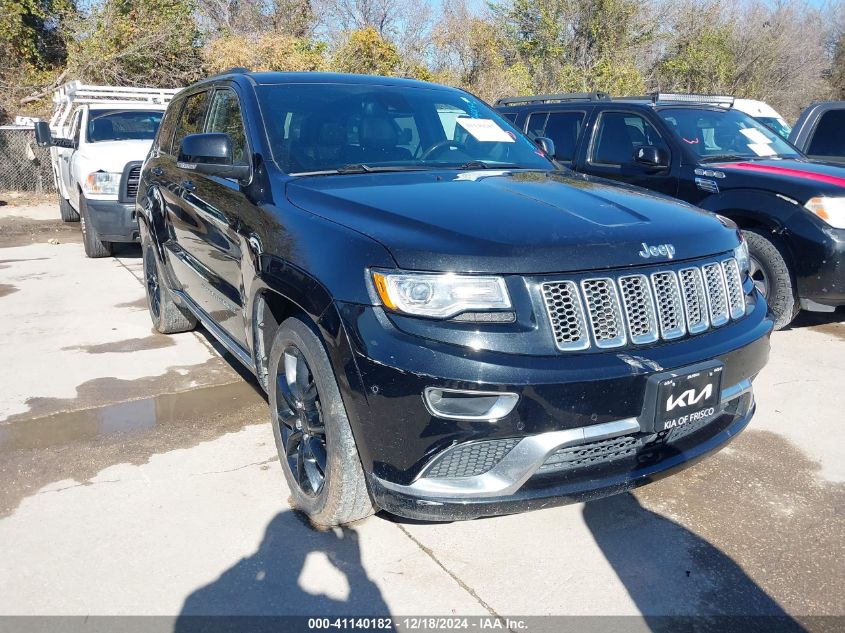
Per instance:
x=439, y=146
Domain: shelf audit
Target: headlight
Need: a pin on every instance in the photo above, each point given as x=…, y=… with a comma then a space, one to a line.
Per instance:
x=440, y=295
x=103, y=182
x=831, y=210
x=743, y=259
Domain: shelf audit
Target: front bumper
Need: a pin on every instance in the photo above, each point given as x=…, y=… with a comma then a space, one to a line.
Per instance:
x=114, y=221
x=581, y=400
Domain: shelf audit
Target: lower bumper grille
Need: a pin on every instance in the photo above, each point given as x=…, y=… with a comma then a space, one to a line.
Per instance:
x=469, y=460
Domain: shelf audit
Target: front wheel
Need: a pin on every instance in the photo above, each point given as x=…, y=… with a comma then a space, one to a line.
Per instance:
x=313, y=437
x=94, y=246
x=772, y=277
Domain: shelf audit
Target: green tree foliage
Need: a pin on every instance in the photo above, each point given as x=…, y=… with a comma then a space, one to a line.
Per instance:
x=271, y=51
x=573, y=45
x=137, y=42
x=365, y=51
x=703, y=62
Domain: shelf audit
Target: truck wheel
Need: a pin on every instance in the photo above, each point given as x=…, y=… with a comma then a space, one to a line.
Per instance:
x=167, y=316
x=772, y=277
x=94, y=246
x=313, y=437
x=67, y=212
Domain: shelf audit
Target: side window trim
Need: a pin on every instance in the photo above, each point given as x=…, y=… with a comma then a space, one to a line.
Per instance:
x=597, y=121
x=227, y=88
x=181, y=112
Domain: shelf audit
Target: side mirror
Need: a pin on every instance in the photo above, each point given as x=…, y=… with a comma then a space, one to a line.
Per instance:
x=43, y=136
x=210, y=154
x=651, y=156
x=546, y=144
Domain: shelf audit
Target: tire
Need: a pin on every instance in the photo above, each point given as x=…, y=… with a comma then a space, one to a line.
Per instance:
x=772, y=276
x=94, y=246
x=67, y=212
x=167, y=316
x=322, y=466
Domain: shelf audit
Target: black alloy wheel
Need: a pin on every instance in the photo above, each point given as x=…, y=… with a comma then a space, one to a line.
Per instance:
x=300, y=415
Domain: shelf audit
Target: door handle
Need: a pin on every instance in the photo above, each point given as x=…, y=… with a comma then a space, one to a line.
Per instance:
x=157, y=171
x=188, y=185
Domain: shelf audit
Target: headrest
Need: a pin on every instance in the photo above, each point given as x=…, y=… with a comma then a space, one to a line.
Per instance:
x=377, y=131
x=332, y=134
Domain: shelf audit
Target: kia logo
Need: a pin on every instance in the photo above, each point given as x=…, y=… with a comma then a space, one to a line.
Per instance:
x=688, y=398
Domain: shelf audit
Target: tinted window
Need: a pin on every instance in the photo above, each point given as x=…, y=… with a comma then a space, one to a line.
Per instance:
x=829, y=137
x=168, y=125
x=619, y=135
x=717, y=134
x=191, y=119
x=320, y=127
x=121, y=125
x=564, y=128
x=225, y=116
x=536, y=124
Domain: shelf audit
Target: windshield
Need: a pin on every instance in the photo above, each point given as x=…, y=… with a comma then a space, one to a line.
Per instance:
x=717, y=134
x=121, y=125
x=322, y=128
x=778, y=125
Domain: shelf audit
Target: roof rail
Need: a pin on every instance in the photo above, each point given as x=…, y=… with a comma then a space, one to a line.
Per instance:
x=551, y=98
x=75, y=92
x=236, y=70
x=725, y=101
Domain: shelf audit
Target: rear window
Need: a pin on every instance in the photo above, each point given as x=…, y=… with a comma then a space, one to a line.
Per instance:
x=829, y=137
x=122, y=125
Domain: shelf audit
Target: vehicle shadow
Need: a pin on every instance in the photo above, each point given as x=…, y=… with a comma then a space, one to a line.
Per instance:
x=677, y=579
x=269, y=582
x=817, y=319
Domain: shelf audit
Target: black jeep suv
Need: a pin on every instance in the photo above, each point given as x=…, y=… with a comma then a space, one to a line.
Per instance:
x=447, y=326
x=699, y=149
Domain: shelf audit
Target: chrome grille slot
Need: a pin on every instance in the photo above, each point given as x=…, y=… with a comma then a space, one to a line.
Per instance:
x=603, y=308
x=695, y=300
x=714, y=280
x=669, y=307
x=733, y=281
x=639, y=308
x=566, y=315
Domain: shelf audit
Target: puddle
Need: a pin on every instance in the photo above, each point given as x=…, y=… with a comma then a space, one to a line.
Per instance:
x=78, y=444
x=761, y=503
x=155, y=341
x=6, y=289
x=836, y=330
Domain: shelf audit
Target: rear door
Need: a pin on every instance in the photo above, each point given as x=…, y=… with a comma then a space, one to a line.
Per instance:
x=616, y=137
x=564, y=127
x=182, y=223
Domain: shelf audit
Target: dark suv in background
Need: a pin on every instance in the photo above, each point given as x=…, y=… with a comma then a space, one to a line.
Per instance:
x=697, y=148
x=446, y=324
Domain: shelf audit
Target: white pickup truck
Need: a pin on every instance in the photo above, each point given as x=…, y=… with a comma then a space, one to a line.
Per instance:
x=99, y=137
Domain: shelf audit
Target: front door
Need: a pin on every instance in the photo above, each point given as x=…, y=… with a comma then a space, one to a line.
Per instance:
x=617, y=137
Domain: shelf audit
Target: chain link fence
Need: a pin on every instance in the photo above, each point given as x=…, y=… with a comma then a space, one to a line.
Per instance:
x=23, y=165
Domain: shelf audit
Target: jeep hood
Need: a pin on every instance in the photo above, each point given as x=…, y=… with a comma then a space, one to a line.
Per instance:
x=509, y=222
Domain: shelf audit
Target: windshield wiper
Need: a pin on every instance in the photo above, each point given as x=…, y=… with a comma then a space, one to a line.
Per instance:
x=708, y=159
x=483, y=164
x=361, y=168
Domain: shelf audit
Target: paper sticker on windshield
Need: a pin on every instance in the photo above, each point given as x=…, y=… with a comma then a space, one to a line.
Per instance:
x=755, y=136
x=762, y=149
x=485, y=130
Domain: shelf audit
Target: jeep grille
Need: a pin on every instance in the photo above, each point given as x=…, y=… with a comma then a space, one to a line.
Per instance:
x=638, y=309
